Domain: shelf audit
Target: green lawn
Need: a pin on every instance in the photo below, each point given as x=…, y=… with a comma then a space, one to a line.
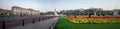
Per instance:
x=63, y=23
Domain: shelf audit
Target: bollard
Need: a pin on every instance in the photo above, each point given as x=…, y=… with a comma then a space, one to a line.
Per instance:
x=3, y=25
x=39, y=19
x=23, y=23
x=43, y=19
x=33, y=21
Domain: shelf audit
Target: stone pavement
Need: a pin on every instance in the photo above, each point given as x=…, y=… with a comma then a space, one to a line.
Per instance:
x=46, y=24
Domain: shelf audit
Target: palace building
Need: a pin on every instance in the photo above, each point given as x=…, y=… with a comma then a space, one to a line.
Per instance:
x=24, y=11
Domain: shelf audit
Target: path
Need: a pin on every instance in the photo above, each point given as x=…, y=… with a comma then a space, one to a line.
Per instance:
x=46, y=24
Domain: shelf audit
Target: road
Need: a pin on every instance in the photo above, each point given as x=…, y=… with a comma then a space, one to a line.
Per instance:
x=46, y=24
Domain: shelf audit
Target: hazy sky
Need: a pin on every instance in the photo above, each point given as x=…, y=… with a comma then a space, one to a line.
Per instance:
x=46, y=5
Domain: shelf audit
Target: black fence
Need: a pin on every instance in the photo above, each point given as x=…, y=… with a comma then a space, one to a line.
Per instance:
x=9, y=23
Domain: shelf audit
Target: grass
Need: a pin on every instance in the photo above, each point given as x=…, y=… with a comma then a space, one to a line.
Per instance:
x=63, y=23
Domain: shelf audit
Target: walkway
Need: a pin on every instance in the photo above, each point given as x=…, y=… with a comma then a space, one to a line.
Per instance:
x=46, y=24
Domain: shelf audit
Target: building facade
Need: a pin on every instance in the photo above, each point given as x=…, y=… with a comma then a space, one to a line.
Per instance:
x=5, y=12
x=24, y=11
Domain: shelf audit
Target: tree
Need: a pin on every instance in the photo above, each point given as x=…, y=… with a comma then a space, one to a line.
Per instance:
x=50, y=13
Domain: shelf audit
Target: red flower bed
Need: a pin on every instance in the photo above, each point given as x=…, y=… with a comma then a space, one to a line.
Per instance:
x=95, y=19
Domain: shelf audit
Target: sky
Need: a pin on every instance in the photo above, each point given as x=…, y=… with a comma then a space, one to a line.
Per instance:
x=50, y=5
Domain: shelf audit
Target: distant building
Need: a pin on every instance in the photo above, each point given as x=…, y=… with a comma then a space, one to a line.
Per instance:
x=23, y=11
x=4, y=12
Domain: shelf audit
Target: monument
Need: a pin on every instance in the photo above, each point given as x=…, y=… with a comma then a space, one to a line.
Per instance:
x=55, y=12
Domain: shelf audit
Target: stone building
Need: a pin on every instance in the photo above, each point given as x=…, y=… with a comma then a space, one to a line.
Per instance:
x=23, y=11
x=4, y=12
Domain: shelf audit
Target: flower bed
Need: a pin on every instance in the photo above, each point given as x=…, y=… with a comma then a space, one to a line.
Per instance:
x=94, y=19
